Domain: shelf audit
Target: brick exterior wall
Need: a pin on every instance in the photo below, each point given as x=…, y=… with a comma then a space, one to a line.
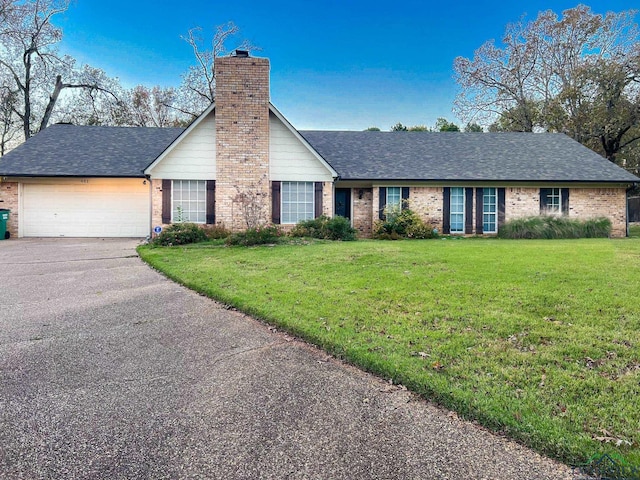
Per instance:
x=427, y=202
x=327, y=199
x=361, y=215
x=9, y=201
x=520, y=202
x=156, y=203
x=601, y=202
x=242, y=138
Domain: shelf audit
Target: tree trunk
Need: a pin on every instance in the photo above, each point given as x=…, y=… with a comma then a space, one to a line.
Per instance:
x=53, y=98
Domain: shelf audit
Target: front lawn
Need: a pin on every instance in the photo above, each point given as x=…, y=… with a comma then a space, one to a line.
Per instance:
x=537, y=339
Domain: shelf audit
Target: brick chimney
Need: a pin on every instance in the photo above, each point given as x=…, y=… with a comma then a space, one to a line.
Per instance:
x=242, y=140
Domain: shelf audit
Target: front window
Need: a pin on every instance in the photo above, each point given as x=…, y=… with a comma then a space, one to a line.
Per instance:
x=297, y=201
x=457, y=210
x=553, y=200
x=489, y=210
x=394, y=199
x=189, y=201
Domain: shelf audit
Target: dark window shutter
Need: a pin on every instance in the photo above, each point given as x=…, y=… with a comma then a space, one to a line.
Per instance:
x=544, y=198
x=501, y=207
x=479, y=210
x=383, y=202
x=318, y=199
x=275, y=202
x=211, y=202
x=166, y=201
x=468, y=210
x=405, y=198
x=564, y=194
x=446, y=210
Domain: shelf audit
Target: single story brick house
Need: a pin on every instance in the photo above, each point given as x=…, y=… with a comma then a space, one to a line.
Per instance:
x=242, y=162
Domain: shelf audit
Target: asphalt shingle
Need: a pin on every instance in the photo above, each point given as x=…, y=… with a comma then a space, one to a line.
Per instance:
x=96, y=151
x=455, y=156
x=88, y=151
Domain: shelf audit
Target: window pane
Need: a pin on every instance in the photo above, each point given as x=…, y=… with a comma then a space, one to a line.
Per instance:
x=189, y=201
x=457, y=210
x=297, y=201
x=489, y=209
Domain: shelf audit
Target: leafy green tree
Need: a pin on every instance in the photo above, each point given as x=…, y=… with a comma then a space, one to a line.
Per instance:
x=419, y=128
x=444, y=125
x=372, y=129
x=473, y=127
x=398, y=127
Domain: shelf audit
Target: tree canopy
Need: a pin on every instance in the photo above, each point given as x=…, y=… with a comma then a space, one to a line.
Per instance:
x=577, y=74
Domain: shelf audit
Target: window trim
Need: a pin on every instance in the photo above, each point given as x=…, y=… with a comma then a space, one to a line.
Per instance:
x=562, y=197
x=463, y=211
x=204, y=200
x=494, y=213
x=312, y=186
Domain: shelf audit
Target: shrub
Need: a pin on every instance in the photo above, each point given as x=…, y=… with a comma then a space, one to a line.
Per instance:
x=255, y=236
x=180, y=234
x=336, y=228
x=403, y=224
x=549, y=227
x=216, y=232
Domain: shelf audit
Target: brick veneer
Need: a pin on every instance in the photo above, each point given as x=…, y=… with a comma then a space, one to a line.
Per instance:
x=242, y=136
x=362, y=211
x=427, y=202
x=601, y=202
x=9, y=201
x=520, y=202
x=156, y=202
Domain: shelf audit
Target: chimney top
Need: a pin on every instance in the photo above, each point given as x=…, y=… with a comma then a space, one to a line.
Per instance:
x=240, y=53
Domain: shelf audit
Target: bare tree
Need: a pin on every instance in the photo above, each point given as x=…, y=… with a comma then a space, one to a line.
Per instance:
x=198, y=87
x=38, y=73
x=579, y=74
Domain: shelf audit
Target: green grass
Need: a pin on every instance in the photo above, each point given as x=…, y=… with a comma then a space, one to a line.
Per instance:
x=536, y=339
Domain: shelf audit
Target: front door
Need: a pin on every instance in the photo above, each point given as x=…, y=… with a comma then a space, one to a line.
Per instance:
x=343, y=202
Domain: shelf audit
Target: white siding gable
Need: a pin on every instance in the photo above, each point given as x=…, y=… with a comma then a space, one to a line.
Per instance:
x=290, y=159
x=194, y=158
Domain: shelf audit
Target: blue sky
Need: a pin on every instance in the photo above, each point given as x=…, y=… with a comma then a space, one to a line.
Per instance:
x=334, y=64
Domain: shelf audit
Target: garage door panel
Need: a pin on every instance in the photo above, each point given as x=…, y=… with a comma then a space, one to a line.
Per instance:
x=101, y=208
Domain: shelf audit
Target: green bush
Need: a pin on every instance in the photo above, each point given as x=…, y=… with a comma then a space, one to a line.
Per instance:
x=549, y=227
x=336, y=228
x=403, y=224
x=216, y=232
x=180, y=234
x=255, y=236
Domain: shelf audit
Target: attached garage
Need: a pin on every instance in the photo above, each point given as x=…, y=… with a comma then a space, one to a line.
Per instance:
x=85, y=208
x=88, y=181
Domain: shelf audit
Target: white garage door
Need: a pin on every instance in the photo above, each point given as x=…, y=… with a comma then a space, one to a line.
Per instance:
x=86, y=208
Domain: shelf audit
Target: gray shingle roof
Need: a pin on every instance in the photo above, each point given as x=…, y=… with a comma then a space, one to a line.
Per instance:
x=88, y=151
x=456, y=156
x=96, y=151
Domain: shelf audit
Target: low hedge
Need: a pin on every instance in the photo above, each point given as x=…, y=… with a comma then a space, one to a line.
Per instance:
x=548, y=227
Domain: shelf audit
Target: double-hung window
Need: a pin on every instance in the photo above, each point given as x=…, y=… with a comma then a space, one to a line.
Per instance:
x=457, y=209
x=394, y=200
x=297, y=201
x=489, y=210
x=189, y=201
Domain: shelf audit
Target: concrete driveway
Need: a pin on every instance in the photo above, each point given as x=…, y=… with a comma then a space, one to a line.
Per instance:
x=109, y=370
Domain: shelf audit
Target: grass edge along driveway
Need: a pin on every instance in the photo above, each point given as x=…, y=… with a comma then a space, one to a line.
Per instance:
x=535, y=339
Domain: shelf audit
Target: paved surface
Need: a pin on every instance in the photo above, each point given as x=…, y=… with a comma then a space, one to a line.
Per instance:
x=108, y=370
